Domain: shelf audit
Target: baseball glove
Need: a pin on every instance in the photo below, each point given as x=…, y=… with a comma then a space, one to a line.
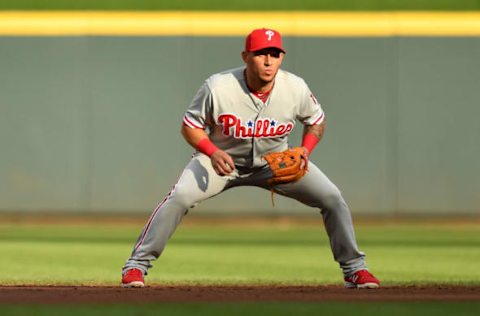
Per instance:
x=287, y=166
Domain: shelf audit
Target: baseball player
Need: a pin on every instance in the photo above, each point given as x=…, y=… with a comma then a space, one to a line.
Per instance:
x=235, y=121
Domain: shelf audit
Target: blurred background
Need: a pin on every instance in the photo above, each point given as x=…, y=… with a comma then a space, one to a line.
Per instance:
x=92, y=95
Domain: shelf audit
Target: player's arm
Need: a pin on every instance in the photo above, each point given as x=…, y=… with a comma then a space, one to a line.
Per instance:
x=221, y=161
x=312, y=134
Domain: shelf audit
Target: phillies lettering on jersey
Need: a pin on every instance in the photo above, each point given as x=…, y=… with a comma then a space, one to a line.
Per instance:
x=263, y=128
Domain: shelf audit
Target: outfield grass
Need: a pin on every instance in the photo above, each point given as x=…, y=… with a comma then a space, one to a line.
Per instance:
x=253, y=309
x=328, y=5
x=93, y=253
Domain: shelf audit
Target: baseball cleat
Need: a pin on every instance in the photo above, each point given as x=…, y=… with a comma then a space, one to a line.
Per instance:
x=362, y=280
x=133, y=278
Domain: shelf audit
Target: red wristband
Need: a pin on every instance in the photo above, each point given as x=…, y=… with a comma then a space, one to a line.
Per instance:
x=207, y=147
x=309, y=141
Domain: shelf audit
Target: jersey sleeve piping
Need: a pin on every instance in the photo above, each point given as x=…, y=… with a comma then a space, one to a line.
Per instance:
x=192, y=123
x=316, y=120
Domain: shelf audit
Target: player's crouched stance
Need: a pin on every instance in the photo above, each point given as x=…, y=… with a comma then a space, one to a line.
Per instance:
x=248, y=112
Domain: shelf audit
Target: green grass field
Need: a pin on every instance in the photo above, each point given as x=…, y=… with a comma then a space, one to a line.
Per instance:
x=93, y=254
x=276, y=252
x=346, y=5
x=253, y=309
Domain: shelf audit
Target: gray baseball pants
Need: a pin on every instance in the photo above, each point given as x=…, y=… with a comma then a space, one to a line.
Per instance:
x=199, y=182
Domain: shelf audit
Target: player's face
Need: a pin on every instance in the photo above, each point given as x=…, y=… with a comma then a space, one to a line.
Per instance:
x=263, y=65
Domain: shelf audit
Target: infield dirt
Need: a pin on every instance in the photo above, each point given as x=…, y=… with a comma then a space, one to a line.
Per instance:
x=152, y=294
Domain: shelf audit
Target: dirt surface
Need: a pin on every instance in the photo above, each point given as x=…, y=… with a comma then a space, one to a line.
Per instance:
x=63, y=294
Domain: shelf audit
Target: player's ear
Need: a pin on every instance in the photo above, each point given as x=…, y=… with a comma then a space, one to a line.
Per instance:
x=244, y=56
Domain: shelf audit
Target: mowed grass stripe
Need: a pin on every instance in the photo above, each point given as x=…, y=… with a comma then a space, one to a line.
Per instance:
x=176, y=23
x=250, y=308
x=93, y=254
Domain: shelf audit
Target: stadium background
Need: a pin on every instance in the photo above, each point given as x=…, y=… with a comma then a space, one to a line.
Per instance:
x=90, y=122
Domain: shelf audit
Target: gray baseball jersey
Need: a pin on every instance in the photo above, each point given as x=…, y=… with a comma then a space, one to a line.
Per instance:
x=241, y=124
x=246, y=128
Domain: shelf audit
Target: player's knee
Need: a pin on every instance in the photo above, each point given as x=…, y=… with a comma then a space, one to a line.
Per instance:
x=184, y=198
x=333, y=200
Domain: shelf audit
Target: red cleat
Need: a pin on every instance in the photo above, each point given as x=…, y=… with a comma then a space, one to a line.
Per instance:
x=133, y=278
x=362, y=280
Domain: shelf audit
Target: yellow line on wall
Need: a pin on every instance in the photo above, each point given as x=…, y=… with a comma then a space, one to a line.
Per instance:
x=172, y=23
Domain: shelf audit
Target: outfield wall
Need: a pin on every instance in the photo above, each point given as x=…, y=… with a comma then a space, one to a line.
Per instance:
x=90, y=123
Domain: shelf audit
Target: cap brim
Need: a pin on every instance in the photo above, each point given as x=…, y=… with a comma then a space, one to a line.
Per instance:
x=275, y=47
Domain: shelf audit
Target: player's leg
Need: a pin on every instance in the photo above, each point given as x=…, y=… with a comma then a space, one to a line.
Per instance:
x=316, y=190
x=197, y=183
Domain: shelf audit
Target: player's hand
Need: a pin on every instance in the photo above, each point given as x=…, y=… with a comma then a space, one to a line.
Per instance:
x=222, y=163
x=304, y=164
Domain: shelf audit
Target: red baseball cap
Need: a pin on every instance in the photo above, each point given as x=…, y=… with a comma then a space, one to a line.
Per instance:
x=263, y=38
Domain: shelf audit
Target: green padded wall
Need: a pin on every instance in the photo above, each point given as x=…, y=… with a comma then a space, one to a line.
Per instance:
x=92, y=123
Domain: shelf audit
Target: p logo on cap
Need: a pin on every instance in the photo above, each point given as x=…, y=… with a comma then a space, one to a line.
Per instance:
x=270, y=33
x=263, y=38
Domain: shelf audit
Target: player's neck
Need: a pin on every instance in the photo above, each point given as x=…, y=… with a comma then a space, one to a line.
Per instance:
x=257, y=86
x=260, y=88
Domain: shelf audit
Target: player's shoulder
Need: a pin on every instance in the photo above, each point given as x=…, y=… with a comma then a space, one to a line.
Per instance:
x=225, y=78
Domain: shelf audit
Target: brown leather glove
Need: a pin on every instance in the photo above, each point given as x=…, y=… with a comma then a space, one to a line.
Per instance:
x=287, y=166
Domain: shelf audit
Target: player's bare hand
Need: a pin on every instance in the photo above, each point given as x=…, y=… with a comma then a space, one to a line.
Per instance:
x=306, y=154
x=222, y=163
